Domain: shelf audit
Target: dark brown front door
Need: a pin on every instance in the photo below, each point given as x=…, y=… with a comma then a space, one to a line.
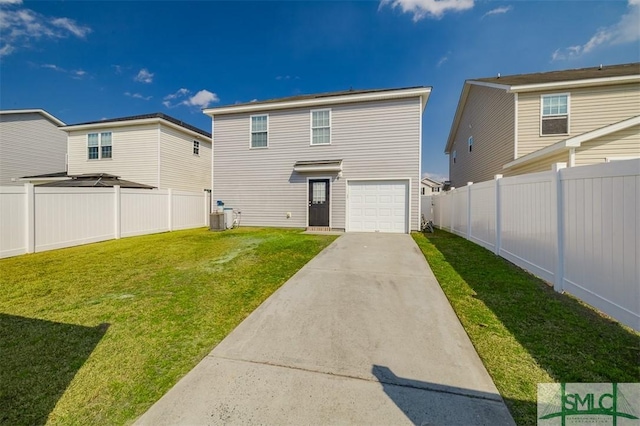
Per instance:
x=318, y=202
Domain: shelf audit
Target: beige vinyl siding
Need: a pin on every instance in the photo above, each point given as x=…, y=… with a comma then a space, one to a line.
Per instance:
x=589, y=109
x=489, y=117
x=541, y=165
x=180, y=168
x=378, y=140
x=30, y=145
x=134, y=153
x=625, y=143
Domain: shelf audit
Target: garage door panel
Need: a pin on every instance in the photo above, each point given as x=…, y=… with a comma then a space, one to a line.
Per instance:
x=378, y=206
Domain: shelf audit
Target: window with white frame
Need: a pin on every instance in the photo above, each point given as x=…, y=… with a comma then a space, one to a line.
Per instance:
x=554, y=117
x=99, y=146
x=196, y=148
x=321, y=127
x=470, y=143
x=259, y=131
x=453, y=155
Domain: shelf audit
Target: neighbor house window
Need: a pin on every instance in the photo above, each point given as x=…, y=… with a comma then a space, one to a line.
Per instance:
x=453, y=155
x=99, y=146
x=470, y=143
x=196, y=148
x=555, y=115
x=321, y=127
x=259, y=131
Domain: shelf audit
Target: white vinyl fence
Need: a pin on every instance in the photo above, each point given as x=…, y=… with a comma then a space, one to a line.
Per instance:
x=34, y=219
x=577, y=228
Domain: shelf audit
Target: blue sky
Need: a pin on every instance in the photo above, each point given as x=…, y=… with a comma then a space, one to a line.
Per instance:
x=85, y=61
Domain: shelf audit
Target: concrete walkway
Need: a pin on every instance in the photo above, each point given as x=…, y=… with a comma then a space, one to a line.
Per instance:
x=362, y=334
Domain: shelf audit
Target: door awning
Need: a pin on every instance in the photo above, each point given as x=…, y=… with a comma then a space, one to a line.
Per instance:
x=318, y=166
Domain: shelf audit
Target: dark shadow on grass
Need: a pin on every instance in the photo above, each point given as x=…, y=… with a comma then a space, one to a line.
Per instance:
x=38, y=360
x=432, y=403
x=569, y=340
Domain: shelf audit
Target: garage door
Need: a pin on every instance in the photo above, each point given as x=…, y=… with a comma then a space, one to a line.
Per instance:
x=378, y=206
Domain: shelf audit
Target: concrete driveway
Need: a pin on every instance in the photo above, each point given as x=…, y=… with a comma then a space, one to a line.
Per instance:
x=362, y=334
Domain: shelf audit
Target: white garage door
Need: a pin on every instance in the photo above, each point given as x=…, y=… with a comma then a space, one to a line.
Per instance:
x=378, y=206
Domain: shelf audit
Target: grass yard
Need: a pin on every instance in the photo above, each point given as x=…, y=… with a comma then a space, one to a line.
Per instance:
x=96, y=334
x=525, y=332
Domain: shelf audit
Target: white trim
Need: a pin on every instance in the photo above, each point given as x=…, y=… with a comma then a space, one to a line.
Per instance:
x=328, y=100
x=42, y=112
x=330, y=179
x=515, y=126
x=126, y=123
x=318, y=168
x=492, y=85
x=575, y=141
x=251, y=131
x=572, y=157
x=547, y=95
x=311, y=127
x=159, y=152
x=382, y=179
x=574, y=83
x=621, y=158
x=419, y=218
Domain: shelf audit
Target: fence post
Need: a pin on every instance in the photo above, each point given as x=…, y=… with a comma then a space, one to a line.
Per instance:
x=498, y=224
x=117, y=212
x=170, y=206
x=452, y=208
x=30, y=234
x=558, y=222
x=206, y=207
x=469, y=185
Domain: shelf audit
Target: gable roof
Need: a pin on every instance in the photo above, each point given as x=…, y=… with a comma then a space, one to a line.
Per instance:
x=42, y=112
x=320, y=99
x=139, y=119
x=582, y=77
x=430, y=182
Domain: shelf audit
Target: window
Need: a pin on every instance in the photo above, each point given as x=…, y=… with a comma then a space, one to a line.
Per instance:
x=99, y=146
x=454, y=156
x=555, y=115
x=470, y=143
x=259, y=131
x=196, y=148
x=321, y=127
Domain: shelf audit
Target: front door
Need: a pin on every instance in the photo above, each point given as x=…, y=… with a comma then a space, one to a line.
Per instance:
x=318, y=202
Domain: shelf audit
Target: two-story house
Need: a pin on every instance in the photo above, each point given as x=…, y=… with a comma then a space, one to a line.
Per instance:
x=153, y=149
x=518, y=124
x=346, y=160
x=429, y=186
x=31, y=143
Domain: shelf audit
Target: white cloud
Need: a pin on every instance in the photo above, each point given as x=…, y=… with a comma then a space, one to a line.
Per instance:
x=498, y=11
x=137, y=96
x=202, y=99
x=144, y=76
x=117, y=68
x=435, y=176
x=21, y=26
x=53, y=67
x=444, y=59
x=71, y=26
x=626, y=30
x=428, y=8
x=179, y=94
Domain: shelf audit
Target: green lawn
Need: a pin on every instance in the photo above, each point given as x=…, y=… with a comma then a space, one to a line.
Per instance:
x=524, y=331
x=96, y=334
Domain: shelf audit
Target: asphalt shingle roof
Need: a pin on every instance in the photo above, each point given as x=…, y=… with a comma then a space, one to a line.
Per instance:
x=147, y=116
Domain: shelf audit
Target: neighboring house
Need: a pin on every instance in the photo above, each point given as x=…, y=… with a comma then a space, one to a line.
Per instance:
x=519, y=124
x=343, y=160
x=30, y=143
x=429, y=186
x=153, y=149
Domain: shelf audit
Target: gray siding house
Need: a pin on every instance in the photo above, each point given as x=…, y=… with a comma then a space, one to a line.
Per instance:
x=31, y=143
x=345, y=160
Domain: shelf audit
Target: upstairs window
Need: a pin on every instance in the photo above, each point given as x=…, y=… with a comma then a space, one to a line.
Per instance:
x=259, y=131
x=555, y=115
x=196, y=148
x=321, y=127
x=470, y=143
x=99, y=146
